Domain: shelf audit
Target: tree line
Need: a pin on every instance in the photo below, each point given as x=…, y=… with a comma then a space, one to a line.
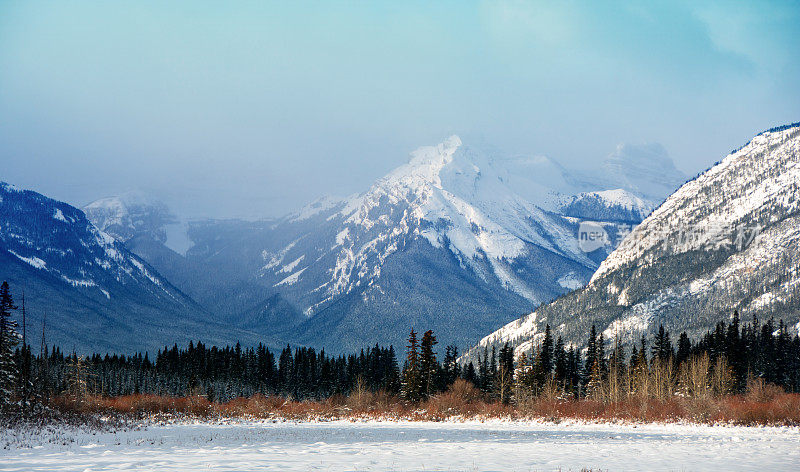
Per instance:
x=722, y=362
x=219, y=374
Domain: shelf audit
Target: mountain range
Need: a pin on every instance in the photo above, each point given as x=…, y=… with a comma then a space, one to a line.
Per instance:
x=459, y=240
x=726, y=241
x=90, y=289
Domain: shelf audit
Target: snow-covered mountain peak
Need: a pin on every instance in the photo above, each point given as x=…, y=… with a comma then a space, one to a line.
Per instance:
x=424, y=166
x=131, y=214
x=497, y=216
x=621, y=197
x=645, y=169
x=127, y=199
x=116, y=208
x=437, y=155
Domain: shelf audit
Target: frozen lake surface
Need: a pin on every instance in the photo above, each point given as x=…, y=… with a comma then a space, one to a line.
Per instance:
x=405, y=446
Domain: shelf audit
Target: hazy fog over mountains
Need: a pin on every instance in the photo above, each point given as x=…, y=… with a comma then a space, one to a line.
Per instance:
x=254, y=110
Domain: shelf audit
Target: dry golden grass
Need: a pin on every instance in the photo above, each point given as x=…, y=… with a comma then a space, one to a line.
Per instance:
x=761, y=405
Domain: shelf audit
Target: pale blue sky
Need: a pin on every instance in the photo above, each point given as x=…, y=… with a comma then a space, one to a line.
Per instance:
x=253, y=108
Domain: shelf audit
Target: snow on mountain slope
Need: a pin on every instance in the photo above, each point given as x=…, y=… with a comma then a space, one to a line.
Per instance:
x=725, y=241
x=94, y=291
x=608, y=205
x=439, y=195
x=68, y=247
x=128, y=215
x=757, y=182
x=458, y=239
x=458, y=200
x=496, y=225
x=136, y=215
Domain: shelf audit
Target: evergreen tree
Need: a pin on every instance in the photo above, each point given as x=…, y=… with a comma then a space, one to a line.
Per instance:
x=25, y=382
x=601, y=355
x=412, y=375
x=544, y=361
x=392, y=372
x=505, y=373
x=9, y=338
x=574, y=369
x=484, y=382
x=286, y=371
x=591, y=355
x=642, y=358
x=451, y=368
x=684, y=348
x=428, y=365
x=734, y=352
x=43, y=372
x=594, y=387
x=560, y=363
x=662, y=346
x=470, y=374
x=493, y=364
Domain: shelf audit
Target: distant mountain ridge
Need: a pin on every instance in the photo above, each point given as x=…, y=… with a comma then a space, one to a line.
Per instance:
x=457, y=240
x=724, y=241
x=135, y=215
x=94, y=292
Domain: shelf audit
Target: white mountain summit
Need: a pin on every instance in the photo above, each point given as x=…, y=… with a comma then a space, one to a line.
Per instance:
x=488, y=213
x=494, y=224
x=457, y=239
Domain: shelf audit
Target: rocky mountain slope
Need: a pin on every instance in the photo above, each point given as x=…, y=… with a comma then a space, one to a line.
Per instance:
x=727, y=240
x=458, y=240
x=94, y=292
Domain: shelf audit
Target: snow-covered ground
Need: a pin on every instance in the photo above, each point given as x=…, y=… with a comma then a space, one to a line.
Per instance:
x=404, y=446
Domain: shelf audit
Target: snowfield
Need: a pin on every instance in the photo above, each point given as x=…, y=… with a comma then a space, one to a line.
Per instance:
x=405, y=446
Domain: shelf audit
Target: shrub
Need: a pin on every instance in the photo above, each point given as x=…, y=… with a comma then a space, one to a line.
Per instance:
x=763, y=404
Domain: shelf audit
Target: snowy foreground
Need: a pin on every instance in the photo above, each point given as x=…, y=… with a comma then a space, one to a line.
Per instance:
x=400, y=446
